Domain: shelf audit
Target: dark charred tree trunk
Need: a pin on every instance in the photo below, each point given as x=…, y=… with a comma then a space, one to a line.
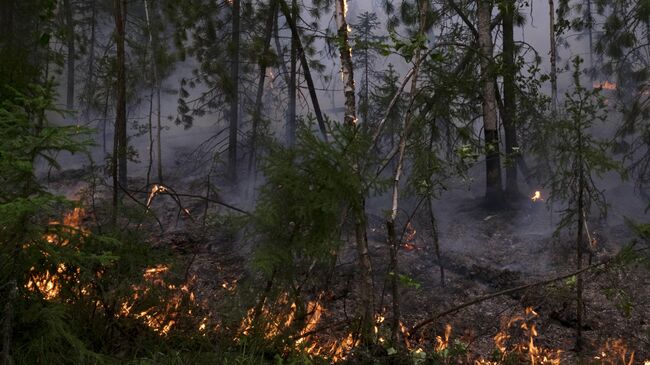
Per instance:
x=590, y=35
x=120, y=140
x=493, y=192
x=291, y=113
x=70, y=44
x=509, y=116
x=7, y=323
x=257, y=113
x=579, y=241
x=234, y=97
x=286, y=11
x=553, y=45
x=91, y=56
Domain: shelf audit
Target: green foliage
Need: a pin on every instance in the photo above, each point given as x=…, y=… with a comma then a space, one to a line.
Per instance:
x=307, y=191
x=577, y=155
x=406, y=280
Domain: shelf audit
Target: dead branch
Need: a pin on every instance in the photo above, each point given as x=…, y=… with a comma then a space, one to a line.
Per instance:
x=483, y=298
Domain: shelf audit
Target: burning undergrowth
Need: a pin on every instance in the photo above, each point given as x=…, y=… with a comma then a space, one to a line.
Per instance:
x=201, y=295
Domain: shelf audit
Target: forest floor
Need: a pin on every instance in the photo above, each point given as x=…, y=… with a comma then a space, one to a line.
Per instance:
x=481, y=251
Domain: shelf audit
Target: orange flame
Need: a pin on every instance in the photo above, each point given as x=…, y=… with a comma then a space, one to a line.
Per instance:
x=49, y=283
x=537, y=196
x=160, y=319
x=409, y=237
x=615, y=352
x=441, y=344
x=527, y=348
x=605, y=85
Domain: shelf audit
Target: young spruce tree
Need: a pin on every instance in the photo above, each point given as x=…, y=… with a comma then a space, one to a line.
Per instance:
x=578, y=157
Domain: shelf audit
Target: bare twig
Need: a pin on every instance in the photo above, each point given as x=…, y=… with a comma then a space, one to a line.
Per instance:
x=483, y=298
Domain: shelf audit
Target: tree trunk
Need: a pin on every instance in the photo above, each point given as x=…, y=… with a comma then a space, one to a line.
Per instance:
x=366, y=80
x=347, y=66
x=155, y=87
x=366, y=311
x=159, y=134
x=7, y=325
x=305, y=68
x=69, y=35
x=291, y=114
x=579, y=241
x=591, y=40
x=551, y=17
x=390, y=223
x=91, y=57
x=509, y=116
x=257, y=113
x=120, y=147
x=234, y=98
x=493, y=192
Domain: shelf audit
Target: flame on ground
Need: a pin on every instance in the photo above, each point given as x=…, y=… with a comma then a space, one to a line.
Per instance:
x=615, y=352
x=442, y=344
x=537, y=196
x=161, y=319
x=525, y=348
x=49, y=283
x=275, y=324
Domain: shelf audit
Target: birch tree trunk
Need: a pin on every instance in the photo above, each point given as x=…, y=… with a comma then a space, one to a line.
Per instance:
x=493, y=192
x=347, y=66
x=393, y=240
x=366, y=310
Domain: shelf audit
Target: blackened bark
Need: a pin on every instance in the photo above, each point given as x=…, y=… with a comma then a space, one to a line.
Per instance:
x=305, y=67
x=291, y=113
x=69, y=36
x=234, y=97
x=509, y=116
x=120, y=140
x=273, y=9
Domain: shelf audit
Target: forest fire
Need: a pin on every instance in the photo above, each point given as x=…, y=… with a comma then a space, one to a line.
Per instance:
x=537, y=197
x=160, y=319
x=442, y=344
x=49, y=283
x=605, y=85
x=275, y=325
x=526, y=348
x=409, y=237
x=615, y=352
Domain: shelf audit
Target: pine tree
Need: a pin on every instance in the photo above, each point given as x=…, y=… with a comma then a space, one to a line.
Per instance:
x=367, y=45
